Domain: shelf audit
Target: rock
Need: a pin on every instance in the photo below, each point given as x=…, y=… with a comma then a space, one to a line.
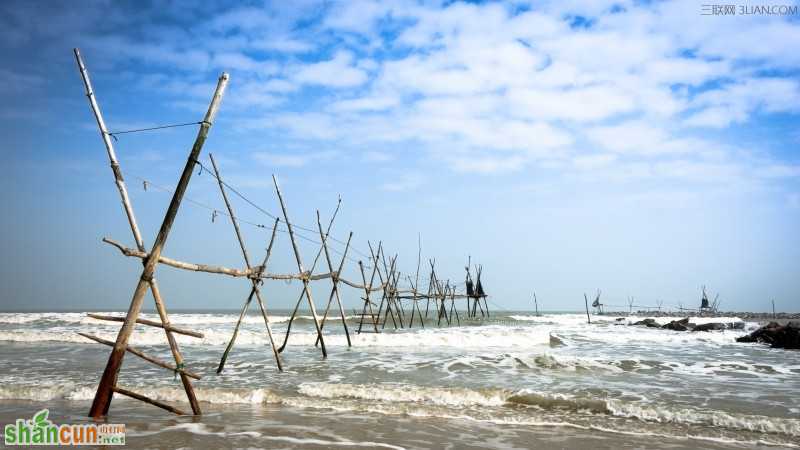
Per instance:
x=678, y=325
x=651, y=323
x=776, y=335
x=736, y=325
x=556, y=341
x=712, y=326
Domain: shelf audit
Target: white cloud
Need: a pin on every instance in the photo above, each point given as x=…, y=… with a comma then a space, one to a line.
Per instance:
x=272, y=159
x=365, y=104
x=338, y=72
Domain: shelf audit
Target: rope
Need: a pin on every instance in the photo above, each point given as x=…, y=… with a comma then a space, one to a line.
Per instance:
x=160, y=127
x=269, y=214
x=216, y=212
x=178, y=368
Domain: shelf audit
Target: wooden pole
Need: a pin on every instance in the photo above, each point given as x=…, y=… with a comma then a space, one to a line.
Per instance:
x=334, y=279
x=102, y=399
x=586, y=300
x=151, y=323
x=773, y=309
x=254, y=290
x=300, y=268
x=536, y=302
x=302, y=293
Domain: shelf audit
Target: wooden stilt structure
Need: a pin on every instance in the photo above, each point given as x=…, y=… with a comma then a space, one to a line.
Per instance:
x=391, y=305
x=108, y=381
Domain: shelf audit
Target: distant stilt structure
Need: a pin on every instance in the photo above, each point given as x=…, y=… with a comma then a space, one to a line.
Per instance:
x=536, y=304
x=704, y=305
x=596, y=303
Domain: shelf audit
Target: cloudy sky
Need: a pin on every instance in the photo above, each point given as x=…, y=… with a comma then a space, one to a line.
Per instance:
x=642, y=148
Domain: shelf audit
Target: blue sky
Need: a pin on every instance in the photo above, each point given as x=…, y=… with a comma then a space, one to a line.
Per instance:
x=637, y=147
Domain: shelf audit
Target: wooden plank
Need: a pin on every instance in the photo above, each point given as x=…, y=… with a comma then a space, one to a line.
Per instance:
x=144, y=356
x=148, y=400
x=150, y=323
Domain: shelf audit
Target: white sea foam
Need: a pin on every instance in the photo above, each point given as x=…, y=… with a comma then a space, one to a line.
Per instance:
x=402, y=393
x=368, y=395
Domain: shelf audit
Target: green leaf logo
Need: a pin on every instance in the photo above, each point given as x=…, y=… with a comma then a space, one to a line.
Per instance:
x=40, y=419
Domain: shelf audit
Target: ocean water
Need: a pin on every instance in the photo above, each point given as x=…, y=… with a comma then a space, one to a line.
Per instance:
x=512, y=381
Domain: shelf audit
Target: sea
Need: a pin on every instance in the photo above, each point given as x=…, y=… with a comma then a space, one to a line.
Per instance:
x=512, y=380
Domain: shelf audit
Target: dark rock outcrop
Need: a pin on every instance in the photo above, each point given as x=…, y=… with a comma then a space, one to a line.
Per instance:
x=776, y=335
x=679, y=325
x=736, y=325
x=711, y=326
x=649, y=322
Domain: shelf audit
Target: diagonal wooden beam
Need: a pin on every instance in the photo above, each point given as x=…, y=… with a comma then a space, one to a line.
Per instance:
x=297, y=257
x=105, y=389
x=103, y=399
x=302, y=293
x=246, y=257
x=334, y=280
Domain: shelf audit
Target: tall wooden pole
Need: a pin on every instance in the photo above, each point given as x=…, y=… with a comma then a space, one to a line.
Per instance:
x=120, y=182
x=108, y=381
x=334, y=279
x=302, y=293
x=306, y=290
x=536, y=302
x=586, y=300
x=254, y=290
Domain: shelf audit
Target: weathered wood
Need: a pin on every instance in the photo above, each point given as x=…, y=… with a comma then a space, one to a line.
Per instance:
x=334, y=280
x=246, y=305
x=151, y=323
x=102, y=399
x=228, y=348
x=253, y=272
x=255, y=288
x=144, y=356
x=147, y=400
x=302, y=293
x=300, y=268
x=120, y=182
x=586, y=301
x=367, y=302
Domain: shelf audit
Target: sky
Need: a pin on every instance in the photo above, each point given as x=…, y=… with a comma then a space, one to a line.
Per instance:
x=640, y=148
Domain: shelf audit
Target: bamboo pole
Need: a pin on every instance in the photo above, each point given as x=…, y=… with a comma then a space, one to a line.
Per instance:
x=147, y=400
x=254, y=272
x=180, y=264
x=246, y=257
x=302, y=293
x=334, y=280
x=144, y=356
x=150, y=323
x=300, y=268
x=367, y=290
x=586, y=301
x=102, y=399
